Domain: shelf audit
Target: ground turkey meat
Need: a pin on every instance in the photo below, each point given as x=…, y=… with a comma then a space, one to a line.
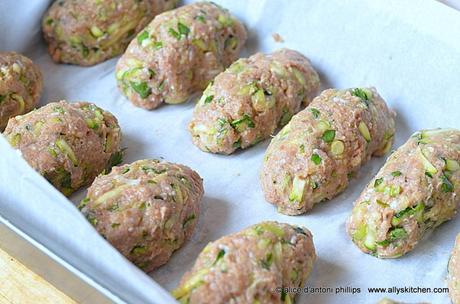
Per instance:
x=416, y=190
x=21, y=85
x=86, y=32
x=178, y=54
x=453, y=273
x=249, y=266
x=251, y=99
x=146, y=209
x=312, y=157
x=68, y=143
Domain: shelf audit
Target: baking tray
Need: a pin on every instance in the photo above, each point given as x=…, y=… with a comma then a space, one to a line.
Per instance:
x=407, y=49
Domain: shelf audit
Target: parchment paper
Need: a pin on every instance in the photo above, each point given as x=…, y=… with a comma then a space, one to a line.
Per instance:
x=409, y=50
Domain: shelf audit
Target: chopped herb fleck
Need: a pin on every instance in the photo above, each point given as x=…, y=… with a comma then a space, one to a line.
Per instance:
x=188, y=220
x=115, y=225
x=396, y=173
x=283, y=294
x=361, y=93
x=141, y=88
x=138, y=249
x=314, y=185
x=219, y=256
x=238, y=124
x=83, y=203
x=267, y=262
x=142, y=36
x=174, y=33
x=201, y=18
x=237, y=144
x=316, y=158
x=116, y=158
x=183, y=29
x=428, y=174
x=302, y=148
x=328, y=136
x=286, y=117
x=208, y=99
x=299, y=230
x=59, y=109
x=397, y=233
x=378, y=182
x=315, y=112
x=114, y=207
x=446, y=186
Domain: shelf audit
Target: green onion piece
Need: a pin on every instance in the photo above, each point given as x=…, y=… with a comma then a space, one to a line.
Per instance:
x=364, y=94
x=298, y=185
x=241, y=124
x=201, y=18
x=92, y=124
x=116, y=158
x=302, y=148
x=183, y=29
x=115, y=207
x=426, y=163
x=231, y=42
x=328, y=136
x=378, y=182
x=315, y=112
x=398, y=233
x=452, y=165
x=446, y=185
x=316, y=158
x=219, y=256
x=381, y=203
x=236, y=67
x=208, y=99
x=141, y=88
x=96, y=32
x=138, y=249
x=299, y=76
x=83, y=203
x=396, y=173
x=200, y=44
x=267, y=262
x=158, y=45
x=277, y=68
x=195, y=281
x=67, y=150
x=286, y=117
x=237, y=144
x=52, y=152
x=337, y=147
x=392, y=190
x=188, y=220
x=369, y=241
x=364, y=131
x=174, y=33
x=323, y=125
x=224, y=20
x=360, y=233
x=142, y=36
